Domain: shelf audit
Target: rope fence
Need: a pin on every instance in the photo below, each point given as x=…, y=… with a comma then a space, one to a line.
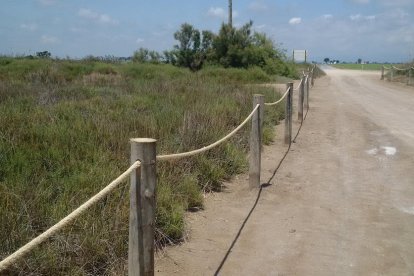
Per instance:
x=390, y=73
x=143, y=179
x=209, y=147
x=280, y=100
x=68, y=219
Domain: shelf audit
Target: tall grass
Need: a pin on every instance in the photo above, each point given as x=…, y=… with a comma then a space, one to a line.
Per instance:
x=64, y=133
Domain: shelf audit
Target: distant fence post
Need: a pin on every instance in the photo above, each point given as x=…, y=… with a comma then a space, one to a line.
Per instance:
x=301, y=97
x=382, y=72
x=142, y=208
x=256, y=142
x=307, y=94
x=392, y=74
x=313, y=76
x=288, y=113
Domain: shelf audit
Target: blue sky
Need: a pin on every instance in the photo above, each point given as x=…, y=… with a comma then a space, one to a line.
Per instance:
x=374, y=30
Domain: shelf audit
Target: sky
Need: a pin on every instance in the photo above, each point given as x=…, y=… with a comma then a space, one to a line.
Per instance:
x=373, y=30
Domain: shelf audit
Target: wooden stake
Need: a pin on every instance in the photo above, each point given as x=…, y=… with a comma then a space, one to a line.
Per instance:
x=256, y=143
x=288, y=114
x=301, y=98
x=142, y=208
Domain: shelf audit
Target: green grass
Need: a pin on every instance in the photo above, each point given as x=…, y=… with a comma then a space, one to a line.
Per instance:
x=368, y=67
x=64, y=135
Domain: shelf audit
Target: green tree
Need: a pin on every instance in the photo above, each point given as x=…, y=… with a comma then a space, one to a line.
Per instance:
x=44, y=54
x=193, y=47
x=326, y=60
x=144, y=55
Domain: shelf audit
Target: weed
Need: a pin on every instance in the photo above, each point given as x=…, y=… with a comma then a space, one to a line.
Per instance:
x=64, y=132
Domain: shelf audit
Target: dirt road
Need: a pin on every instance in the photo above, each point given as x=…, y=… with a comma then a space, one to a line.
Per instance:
x=341, y=203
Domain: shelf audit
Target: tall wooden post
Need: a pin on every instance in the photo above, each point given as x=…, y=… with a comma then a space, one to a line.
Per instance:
x=142, y=208
x=392, y=74
x=382, y=72
x=256, y=142
x=288, y=113
x=301, y=97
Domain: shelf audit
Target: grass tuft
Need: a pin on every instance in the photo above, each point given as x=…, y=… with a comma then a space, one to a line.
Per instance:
x=64, y=132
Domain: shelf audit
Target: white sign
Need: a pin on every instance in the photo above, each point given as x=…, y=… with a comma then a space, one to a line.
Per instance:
x=300, y=55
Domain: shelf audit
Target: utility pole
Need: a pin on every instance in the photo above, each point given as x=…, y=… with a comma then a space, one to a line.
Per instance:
x=230, y=13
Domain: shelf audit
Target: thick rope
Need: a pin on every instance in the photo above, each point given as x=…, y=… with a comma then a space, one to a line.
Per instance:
x=299, y=85
x=400, y=69
x=65, y=221
x=280, y=100
x=222, y=140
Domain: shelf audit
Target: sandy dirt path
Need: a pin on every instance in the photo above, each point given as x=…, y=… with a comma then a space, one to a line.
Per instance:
x=341, y=203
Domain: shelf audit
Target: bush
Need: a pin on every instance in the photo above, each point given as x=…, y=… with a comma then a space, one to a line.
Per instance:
x=231, y=47
x=65, y=138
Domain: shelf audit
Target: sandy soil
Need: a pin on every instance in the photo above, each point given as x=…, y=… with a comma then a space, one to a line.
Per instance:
x=341, y=203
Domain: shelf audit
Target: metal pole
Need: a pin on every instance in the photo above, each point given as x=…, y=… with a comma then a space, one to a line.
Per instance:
x=230, y=13
x=142, y=208
x=256, y=143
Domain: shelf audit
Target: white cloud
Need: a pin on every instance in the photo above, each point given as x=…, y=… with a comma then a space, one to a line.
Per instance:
x=327, y=16
x=361, y=1
x=97, y=17
x=355, y=17
x=295, y=21
x=47, y=39
x=258, y=6
x=217, y=12
x=29, y=27
x=139, y=40
x=359, y=17
x=397, y=3
x=220, y=13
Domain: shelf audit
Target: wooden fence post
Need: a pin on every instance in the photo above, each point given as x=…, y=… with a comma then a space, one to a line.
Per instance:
x=288, y=113
x=382, y=72
x=313, y=77
x=307, y=94
x=410, y=76
x=256, y=142
x=392, y=74
x=142, y=208
x=301, y=97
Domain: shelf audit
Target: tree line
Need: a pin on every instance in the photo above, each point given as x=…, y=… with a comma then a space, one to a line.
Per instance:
x=230, y=47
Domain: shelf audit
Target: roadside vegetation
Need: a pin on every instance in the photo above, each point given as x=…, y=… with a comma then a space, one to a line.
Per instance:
x=368, y=67
x=65, y=129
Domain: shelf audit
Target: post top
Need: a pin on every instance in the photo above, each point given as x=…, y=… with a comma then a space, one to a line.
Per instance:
x=142, y=140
